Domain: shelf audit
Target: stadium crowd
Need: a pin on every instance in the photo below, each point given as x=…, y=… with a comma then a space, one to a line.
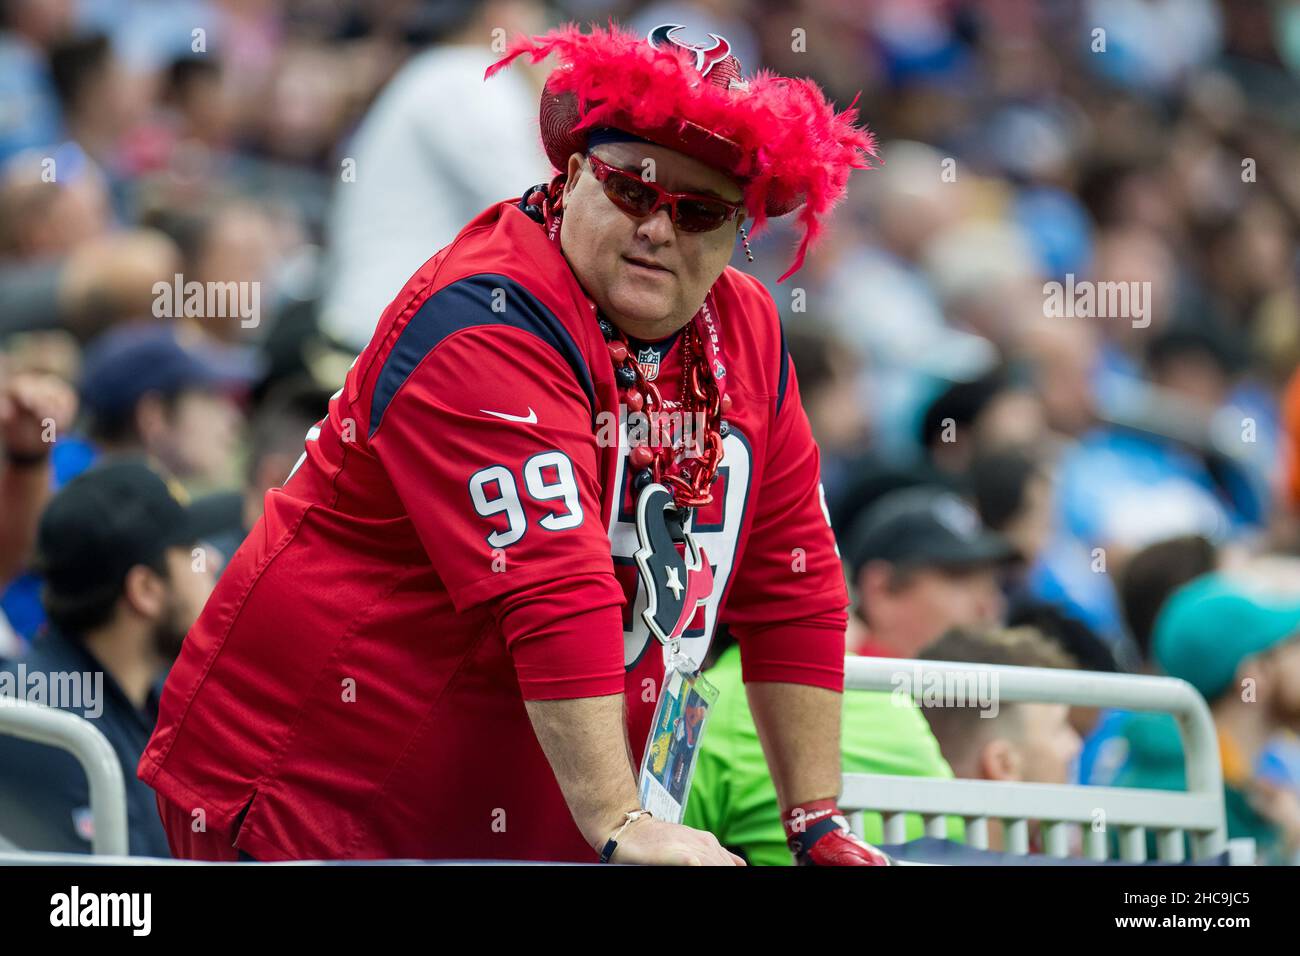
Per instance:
x=1049, y=348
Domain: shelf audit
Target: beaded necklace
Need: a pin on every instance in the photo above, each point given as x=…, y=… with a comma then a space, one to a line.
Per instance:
x=689, y=476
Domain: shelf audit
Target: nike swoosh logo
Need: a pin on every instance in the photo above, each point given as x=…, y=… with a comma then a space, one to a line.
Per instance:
x=529, y=419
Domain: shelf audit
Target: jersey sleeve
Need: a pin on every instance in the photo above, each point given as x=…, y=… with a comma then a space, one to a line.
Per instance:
x=487, y=437
x=787, y=605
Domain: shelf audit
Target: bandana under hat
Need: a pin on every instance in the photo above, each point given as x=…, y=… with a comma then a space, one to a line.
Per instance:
x=779, y=137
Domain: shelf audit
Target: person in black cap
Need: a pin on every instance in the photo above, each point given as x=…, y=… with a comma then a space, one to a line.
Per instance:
x=123, y=584
x=922, y=563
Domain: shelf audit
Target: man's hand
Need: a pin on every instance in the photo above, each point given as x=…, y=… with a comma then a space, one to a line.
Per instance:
x=651, y=842
x=30, y=402
x=819, y=835
x=585, y=740
x=1280, y=806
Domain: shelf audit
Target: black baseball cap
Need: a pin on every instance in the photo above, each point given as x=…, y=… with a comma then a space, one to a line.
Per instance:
x=924, y=527
x=107, y=520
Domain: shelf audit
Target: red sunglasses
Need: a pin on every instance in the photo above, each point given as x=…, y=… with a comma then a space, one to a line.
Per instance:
x=690, y=212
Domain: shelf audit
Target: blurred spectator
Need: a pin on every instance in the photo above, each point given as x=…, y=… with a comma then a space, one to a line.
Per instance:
x=43, y=217
x=829, y=379
x=121, y=592
x=152, y=390
x=1099, y=728
x=277, y=434
x=1012, y=488
x=1028, y=742
x=201, y=106
x=1236, y=638
x=28, y=28
x=921, y=564
x=99, y=103
x=1145, y=583
x=1154, y=573
x=423, y=163
x=965, y=420
x=1196, y=364
x=1190, y=30
x=987, y=277
x=879, y=300
x=1062, y=355
x=34, y=409
x=1088, y=651
x=101, y=281
x=983, y=415
x=256, y=250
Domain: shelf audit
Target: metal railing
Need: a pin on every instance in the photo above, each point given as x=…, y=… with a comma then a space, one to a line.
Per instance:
x=1198, y=812
x=79, y=737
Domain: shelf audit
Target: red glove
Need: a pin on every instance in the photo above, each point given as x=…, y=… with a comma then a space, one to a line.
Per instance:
x=819, y=835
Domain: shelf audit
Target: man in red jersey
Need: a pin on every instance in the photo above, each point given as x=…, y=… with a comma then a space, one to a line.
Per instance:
x=447, y=635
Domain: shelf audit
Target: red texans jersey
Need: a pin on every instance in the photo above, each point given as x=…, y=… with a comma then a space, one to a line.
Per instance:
x=459, y=538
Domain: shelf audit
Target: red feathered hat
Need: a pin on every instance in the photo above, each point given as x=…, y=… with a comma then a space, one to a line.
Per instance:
x=778, y=136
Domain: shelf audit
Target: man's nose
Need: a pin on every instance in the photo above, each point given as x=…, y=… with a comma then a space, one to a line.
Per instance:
x=657, y=227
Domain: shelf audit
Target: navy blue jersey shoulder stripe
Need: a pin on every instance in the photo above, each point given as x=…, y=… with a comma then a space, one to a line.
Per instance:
x=784, y=374
x=464, y=304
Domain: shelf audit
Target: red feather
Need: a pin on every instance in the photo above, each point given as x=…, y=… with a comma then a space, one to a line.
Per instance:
x=792, y=140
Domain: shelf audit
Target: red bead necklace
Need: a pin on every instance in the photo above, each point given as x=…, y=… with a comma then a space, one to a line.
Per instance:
x=688, y=475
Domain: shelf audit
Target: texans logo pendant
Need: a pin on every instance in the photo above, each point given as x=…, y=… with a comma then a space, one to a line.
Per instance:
x=675, y=584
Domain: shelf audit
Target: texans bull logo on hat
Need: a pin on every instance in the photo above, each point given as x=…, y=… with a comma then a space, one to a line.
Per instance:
x=706, y=58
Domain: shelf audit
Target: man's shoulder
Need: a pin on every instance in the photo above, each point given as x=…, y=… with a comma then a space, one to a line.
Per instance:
x=500, y=241
x=499, y=270
x=500, y=292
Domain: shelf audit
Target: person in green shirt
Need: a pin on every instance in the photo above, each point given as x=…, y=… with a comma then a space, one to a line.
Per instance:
x=921, y=562
x=732, y=794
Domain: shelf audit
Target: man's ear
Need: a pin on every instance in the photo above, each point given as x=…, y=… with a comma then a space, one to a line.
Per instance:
x=874, y=578
x=573, y=171
x=150, y=416
x=998, y=760
x=144, y=592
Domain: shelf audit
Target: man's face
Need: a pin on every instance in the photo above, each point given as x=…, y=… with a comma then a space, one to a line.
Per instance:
x=203, y=436
x=1045, y=742
x=188, y=590
x=912, y=613
x=599, y=240
x=1284, y=673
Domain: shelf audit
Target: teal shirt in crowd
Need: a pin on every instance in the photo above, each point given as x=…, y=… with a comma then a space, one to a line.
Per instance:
x=1155, y=761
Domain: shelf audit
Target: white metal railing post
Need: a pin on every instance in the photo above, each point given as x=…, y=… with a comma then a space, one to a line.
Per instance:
x=79, y=737
x=1199, y=811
